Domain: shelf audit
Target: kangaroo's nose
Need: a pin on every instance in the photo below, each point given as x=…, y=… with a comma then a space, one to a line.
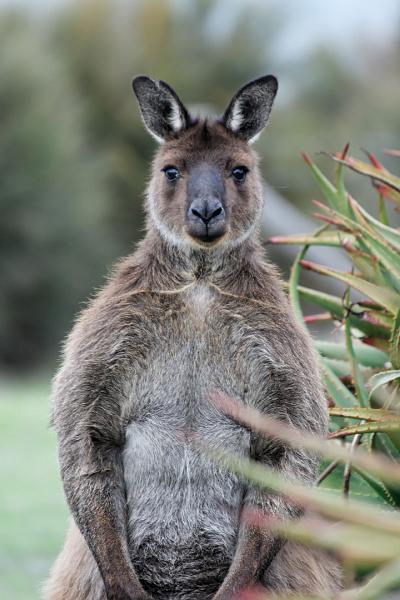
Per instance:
x=206, y=216
x=206, y=210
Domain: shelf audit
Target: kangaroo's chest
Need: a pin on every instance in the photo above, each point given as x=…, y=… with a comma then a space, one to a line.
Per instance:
x=176, y=492
x=196, y=348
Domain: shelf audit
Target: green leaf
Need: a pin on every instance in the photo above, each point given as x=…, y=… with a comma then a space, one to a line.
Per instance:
x=389, y=233
x=294, y=286
x=394, y=342
x=371, y=242
x=364, y=414
x=379, y=246
x=341, y=368
x=328, y=238
x=295, y=438
x=367, y=264
x=335, y=388
x=358, y=316
x=366, y=169
x=371, y=427
x=380, y=487
x=388, y=193
x=294, y=280
x=376, y=381
x=351, y=543
x=343, y=205
x=333, y=304
x=328, y=189
x=361, y=392
x=383, y=443
x=365, y=354
x=355, y=512
x=387, y=578
x=336, y=218
x=383, y=218
x=387, y=298
x=360, y=487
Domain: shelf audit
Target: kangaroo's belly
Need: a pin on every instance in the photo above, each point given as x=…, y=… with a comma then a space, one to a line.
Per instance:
x=183, y=514
x=183, y=507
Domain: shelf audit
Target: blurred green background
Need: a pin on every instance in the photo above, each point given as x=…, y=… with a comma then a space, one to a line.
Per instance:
x=74, y=159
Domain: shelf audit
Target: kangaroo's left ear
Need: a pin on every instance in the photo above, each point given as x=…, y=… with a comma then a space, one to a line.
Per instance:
x=249, y=109
x=163, y=113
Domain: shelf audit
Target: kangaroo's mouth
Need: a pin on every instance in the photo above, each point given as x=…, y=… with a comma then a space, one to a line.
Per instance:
x=206, y=234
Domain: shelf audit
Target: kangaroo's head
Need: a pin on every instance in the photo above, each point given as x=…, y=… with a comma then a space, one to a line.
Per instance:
x=205, y=187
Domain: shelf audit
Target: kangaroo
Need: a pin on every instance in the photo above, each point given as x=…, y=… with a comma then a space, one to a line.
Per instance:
x=195, y=309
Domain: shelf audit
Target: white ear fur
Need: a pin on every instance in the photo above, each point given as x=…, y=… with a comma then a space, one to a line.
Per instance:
x=254, y=138
x=235, y=118
x=162, y=112
x=176, y=119
x=249, y=109
x=156, y=137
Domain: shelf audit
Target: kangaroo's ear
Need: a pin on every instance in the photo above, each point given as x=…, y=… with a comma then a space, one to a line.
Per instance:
x=248, y=111
x=163, y=113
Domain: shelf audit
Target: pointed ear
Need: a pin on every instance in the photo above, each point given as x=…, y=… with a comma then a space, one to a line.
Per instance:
x=163, y=113
x=248, y=111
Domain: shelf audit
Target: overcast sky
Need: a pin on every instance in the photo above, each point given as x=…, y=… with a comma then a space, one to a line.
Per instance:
x=341, y=24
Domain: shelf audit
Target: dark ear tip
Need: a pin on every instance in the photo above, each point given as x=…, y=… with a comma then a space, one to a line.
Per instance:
x=271, y=80
x=139, y=81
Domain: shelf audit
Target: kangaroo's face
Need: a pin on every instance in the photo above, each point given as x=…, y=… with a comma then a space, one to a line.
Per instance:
x=205, y=188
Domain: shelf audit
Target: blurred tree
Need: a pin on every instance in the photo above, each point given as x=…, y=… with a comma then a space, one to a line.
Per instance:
x=74, y=155
x=51, y=230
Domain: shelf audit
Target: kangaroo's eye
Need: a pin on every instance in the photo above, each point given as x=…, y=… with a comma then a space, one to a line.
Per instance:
x=171, y=173
x=239, y=174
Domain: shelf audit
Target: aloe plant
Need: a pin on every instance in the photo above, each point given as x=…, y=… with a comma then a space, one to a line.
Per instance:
x=362, y=372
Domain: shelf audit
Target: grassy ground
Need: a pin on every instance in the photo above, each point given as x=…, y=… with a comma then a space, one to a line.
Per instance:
x=33, y=515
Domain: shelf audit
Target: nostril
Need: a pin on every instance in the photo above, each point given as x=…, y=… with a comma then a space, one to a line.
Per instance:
x=216, y=212
x=199, y=215
x=205, y=215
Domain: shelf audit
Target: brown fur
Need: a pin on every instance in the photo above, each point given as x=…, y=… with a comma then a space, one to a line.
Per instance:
x=315, y=572
x=177, y=319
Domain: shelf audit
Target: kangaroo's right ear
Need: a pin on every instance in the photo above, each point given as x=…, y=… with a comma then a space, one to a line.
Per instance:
x=248, y=111
x=163, y=113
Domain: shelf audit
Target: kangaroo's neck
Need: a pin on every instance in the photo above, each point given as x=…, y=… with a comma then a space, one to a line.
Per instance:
x=161, y=265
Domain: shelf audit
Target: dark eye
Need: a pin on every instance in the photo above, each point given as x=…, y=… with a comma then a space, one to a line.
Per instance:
x=171, y=173
x=239, y=174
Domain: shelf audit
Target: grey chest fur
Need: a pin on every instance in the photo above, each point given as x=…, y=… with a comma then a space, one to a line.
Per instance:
x=175, y=493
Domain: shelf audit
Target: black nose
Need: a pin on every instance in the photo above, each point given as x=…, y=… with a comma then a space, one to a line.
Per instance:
x=207, y=210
